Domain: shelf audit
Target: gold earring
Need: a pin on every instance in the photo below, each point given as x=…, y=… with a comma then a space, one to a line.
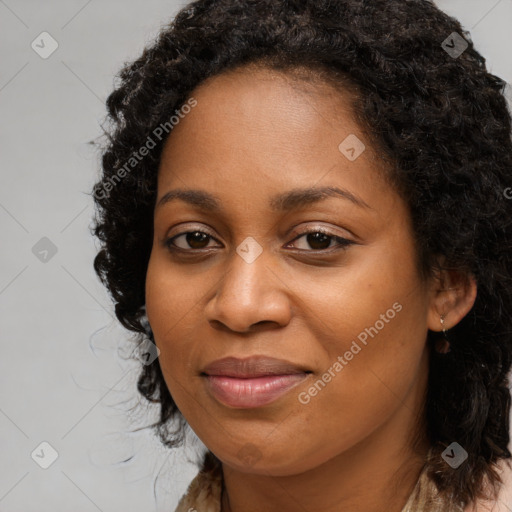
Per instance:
x=443, y=345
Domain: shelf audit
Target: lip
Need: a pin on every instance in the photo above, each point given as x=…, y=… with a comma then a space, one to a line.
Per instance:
x=251, y=382
x=252, y=367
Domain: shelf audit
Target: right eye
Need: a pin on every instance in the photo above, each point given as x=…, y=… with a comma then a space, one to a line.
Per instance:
x=192, y=240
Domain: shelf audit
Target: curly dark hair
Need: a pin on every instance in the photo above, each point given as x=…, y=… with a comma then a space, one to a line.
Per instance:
x=440, y=120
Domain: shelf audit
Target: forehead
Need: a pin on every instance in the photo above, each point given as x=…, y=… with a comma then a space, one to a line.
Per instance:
x=261, y=129
x=269, y=98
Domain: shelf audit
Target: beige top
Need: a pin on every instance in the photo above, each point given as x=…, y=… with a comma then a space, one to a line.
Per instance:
x=204, y=495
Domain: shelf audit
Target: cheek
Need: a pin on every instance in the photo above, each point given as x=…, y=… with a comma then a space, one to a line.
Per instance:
x=373, y=317
x=172, y=297
x=167, y=308
x=174, y=311
x=374, y=371
x=376, y=299
x=163, y=286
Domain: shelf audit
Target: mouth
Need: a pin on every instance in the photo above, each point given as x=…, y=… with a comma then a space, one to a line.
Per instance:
x=251, y=382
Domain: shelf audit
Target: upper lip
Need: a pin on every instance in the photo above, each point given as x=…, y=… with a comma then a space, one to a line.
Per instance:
x=255, y=366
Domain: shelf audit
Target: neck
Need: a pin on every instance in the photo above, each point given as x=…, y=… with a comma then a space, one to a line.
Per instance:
x=379, y=484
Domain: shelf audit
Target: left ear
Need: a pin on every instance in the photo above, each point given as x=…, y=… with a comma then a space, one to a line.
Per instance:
x=453, y=295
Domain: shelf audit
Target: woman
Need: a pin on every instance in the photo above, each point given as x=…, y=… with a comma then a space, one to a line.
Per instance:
x=303, y=206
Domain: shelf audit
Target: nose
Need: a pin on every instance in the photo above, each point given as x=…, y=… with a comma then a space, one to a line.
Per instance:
x=248, y=297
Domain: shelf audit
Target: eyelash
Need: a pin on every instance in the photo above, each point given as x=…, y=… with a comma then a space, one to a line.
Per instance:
x=343, y=243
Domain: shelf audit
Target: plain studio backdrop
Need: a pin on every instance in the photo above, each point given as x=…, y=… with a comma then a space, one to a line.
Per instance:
x=66, y=390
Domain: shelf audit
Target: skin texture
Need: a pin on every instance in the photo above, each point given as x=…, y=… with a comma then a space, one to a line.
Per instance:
x=256, y=133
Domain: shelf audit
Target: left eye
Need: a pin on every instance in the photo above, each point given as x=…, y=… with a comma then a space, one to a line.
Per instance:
x=317, y=239
x=321, y=240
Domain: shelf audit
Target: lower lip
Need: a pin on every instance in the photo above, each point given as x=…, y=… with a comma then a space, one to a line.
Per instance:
x=254, y=392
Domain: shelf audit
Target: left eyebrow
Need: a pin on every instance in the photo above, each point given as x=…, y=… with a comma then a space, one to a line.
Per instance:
x=286, y=201
x=296, y=198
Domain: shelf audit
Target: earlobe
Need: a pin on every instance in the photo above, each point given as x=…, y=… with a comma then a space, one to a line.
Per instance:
x=454, y=295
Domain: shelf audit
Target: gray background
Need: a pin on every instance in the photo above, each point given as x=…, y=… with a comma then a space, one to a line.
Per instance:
x=63, y=380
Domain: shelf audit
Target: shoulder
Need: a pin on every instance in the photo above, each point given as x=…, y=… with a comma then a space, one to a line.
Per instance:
x=504, y=501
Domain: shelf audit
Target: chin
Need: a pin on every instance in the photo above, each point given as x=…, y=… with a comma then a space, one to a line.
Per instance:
x=253, y=460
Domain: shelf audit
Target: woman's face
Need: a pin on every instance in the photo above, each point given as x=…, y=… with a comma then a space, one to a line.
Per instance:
x=347, y=317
